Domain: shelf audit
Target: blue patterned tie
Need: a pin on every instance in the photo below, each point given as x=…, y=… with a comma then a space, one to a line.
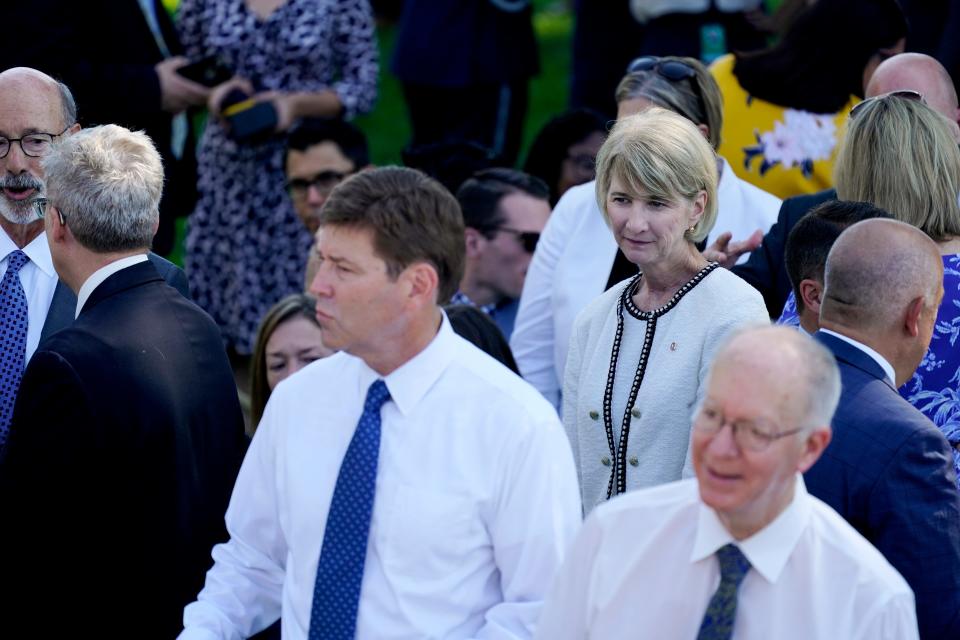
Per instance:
x=722, y=611
x=336, y=592
x=13, y=338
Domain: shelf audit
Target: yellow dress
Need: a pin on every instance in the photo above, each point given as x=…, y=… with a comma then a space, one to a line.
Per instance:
x=786, y=152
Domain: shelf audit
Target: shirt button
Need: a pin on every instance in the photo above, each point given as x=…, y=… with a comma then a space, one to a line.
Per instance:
x=594, y=415
x=605, y=461
x=634, y=462
x=635, y=412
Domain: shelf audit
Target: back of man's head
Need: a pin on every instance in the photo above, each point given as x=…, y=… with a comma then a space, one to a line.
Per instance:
x=874, y=272
x=411, y=217
x=480, y=195
x=812, y=237
x=917, y=72
x=313, y=131
x=107, y=181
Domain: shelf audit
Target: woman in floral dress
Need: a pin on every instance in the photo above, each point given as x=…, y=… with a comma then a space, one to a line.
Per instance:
x=246, y=248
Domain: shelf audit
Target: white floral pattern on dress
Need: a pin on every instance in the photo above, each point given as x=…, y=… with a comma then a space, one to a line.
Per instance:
x=799, y=140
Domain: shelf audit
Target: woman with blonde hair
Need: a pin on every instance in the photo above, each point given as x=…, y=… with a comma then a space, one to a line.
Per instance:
x=900, y=155
x=640, y=352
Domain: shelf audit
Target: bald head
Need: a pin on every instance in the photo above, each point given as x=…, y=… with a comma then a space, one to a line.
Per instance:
x=920, y=73
x=36, y=85
x=874, y=271
x=789, y=368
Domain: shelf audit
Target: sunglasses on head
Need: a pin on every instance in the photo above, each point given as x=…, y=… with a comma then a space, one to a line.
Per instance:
x=672, y=70
x=528, y=239
x=905, y=94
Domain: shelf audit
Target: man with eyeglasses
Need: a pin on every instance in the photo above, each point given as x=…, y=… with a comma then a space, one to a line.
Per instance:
x=742, y=550
x=504, y=211
x=320, y=154
x=889, y=470
x=35, y=111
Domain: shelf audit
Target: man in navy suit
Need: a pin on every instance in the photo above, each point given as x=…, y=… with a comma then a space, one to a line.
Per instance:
x=888, y=470
x=127, y=433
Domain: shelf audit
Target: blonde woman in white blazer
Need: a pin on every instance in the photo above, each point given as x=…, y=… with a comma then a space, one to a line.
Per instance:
x=640, y=352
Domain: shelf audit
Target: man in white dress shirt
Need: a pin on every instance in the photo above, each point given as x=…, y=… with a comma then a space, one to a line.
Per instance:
x=676, y=560
x=474, y=495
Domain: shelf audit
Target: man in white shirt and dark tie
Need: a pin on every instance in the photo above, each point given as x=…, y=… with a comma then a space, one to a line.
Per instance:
x=409, y=486
x=742, y=550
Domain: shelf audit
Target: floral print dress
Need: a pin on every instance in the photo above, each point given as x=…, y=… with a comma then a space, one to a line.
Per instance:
x=786, y=152
x=246, y=248
x=934, y=388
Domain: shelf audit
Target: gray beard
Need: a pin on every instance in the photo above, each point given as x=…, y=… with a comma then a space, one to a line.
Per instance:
x=17, y=213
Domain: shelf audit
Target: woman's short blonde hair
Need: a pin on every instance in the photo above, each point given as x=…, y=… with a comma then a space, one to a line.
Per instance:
x=900, y=155
x=664, y=155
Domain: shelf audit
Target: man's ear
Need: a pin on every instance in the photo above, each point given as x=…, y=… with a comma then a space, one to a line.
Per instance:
x=422, y=282
x=811, y=292
x=57, y=231
x=813, y=446
x=475, y=242
x=72, y=129
x=911, y=318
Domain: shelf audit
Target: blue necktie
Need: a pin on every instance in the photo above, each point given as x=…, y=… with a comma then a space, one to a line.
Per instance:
x=722, y=611
x=336, y=592
x=13, y=338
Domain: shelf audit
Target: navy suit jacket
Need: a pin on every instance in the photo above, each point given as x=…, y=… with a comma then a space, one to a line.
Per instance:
x=765, y=269
x=63, y=306
x=126, y=439
x=888, y=471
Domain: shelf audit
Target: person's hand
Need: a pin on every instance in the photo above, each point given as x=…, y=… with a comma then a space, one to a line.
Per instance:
x=176, y=92
x=284, y=104
x=219, y=92
x=727, y=253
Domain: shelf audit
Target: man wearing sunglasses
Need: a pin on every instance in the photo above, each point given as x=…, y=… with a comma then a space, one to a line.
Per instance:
x=504, y=212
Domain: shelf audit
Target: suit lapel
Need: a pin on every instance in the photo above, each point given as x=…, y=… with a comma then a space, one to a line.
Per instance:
x=63, y=306
x=849, y=354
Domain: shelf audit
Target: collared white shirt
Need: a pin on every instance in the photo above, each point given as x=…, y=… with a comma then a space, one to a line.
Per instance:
x=476, y=502
x=39, y=280
x=879, y=359
x=643, y=566
x=101, y=274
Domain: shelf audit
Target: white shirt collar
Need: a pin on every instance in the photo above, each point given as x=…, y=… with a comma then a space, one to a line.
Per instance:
x=37, y=250
x=101, y=274
x=880, y=360
x=411, y=381
x=768, y=549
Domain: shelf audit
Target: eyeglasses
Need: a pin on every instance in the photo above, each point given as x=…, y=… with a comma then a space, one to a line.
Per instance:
x=584, y=162
x=672, y=70
x=754, y=435
x=323, y=182
x=34, y=145
x=906, y=94
x=40, y=205
x=528, y=239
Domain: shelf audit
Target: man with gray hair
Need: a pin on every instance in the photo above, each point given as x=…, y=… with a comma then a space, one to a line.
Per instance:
x=673, y=561
x=889, y=470
x=127, y=434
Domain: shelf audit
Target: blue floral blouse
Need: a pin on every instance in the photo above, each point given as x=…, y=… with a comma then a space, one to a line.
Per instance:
x=935, y=387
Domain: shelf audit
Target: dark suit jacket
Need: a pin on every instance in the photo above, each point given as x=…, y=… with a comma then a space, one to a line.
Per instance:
x=889, y=473
x=63, y=307
x=126, y=439
x=105, y=52
x=765, y=269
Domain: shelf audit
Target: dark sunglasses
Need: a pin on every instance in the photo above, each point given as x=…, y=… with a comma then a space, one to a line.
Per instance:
x=906, y=94
x=528, y=239
x=672, y=70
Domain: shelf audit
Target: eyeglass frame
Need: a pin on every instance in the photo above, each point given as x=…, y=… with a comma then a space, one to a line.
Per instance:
x=19, y=142
x=301, y=190
x=903, y=94
x=658, y=64
x=40, y=204
x=743, y=426
x=528, y=239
